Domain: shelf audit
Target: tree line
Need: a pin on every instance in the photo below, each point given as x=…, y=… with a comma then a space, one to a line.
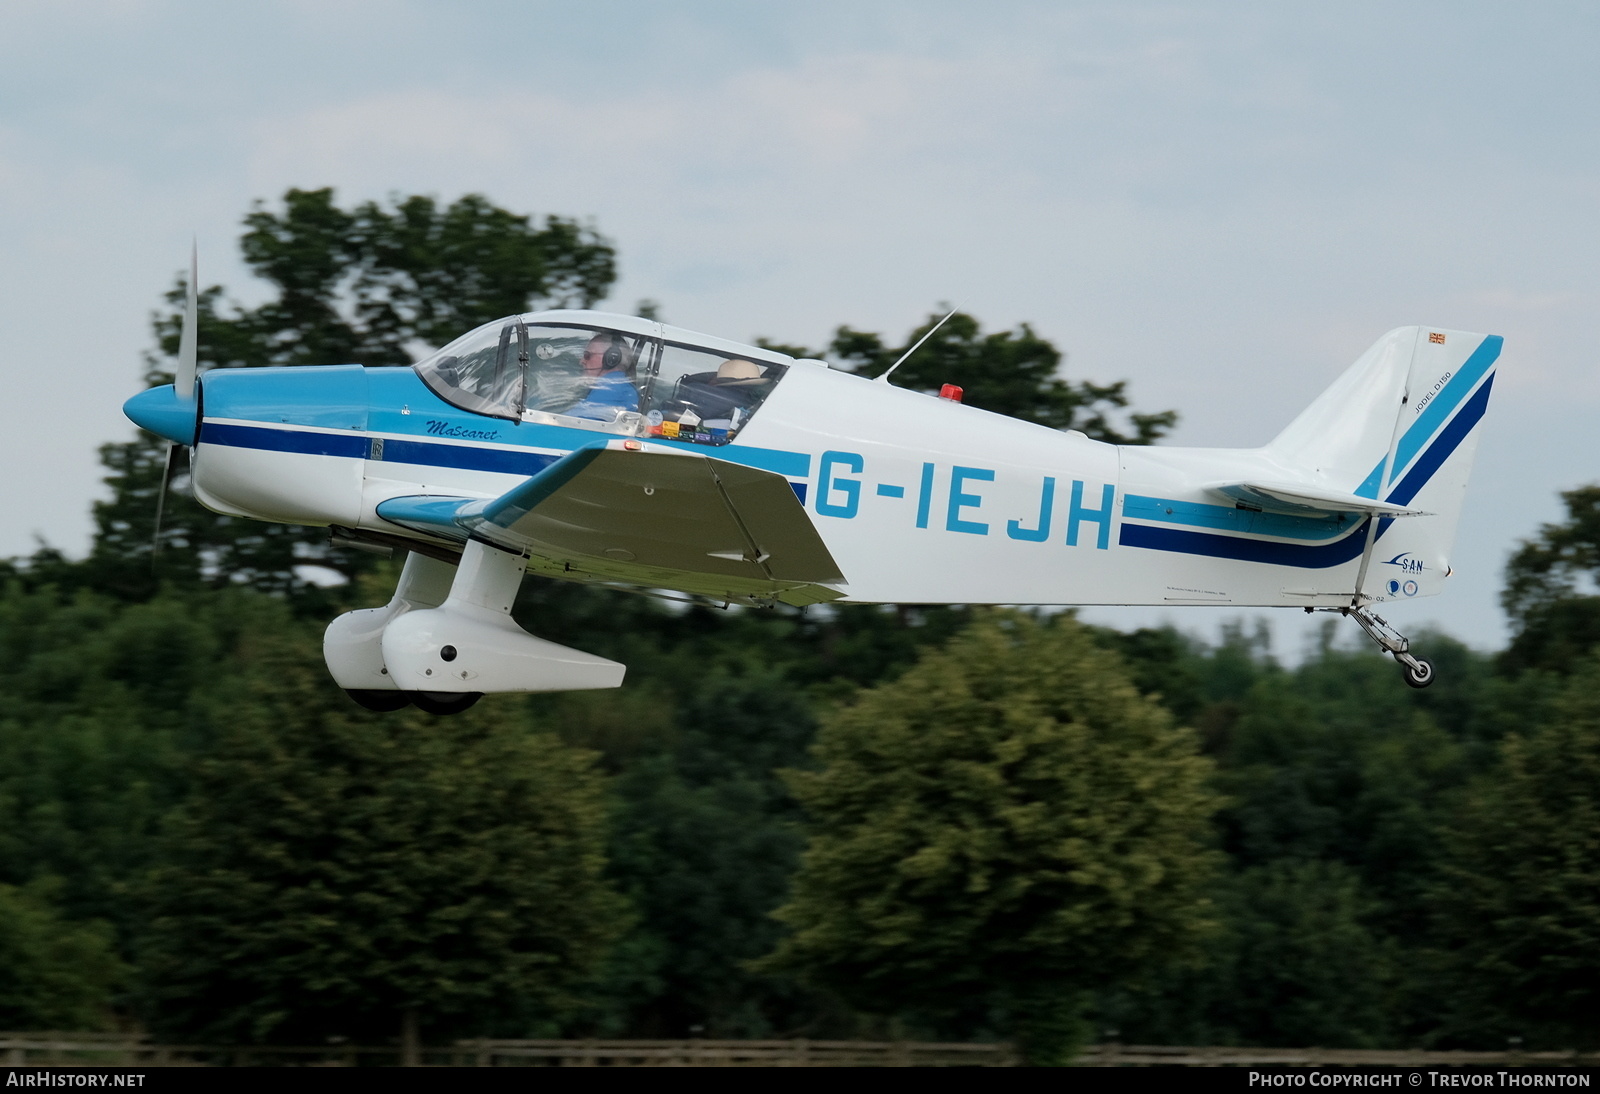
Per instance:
x=848, y=821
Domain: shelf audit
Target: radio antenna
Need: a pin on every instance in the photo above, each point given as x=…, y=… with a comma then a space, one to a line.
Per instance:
x=884, y=379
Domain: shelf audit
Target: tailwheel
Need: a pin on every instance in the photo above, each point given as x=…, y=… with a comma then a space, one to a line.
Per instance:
x=444, y=702
x=381, y=701
x=1419, y=673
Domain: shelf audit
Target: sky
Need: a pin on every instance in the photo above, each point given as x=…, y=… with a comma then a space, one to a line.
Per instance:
x=1223, y=204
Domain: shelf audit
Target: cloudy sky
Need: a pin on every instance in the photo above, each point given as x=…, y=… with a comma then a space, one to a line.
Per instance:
x=1222, y=203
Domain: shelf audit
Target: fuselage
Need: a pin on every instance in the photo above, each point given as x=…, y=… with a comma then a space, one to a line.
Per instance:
x=919, y=499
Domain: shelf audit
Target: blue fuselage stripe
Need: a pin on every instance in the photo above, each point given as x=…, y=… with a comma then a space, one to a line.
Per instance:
x=465, y=456
x=1231, y=518
x=1245, y=550
x=350, y=445
x=1333, y=554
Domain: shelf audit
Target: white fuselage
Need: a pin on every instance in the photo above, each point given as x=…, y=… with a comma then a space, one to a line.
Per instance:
x=919, y=499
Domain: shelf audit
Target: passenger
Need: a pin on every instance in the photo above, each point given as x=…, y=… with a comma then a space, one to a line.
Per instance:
x=723, y=399
x=739, y=384
x=608, y=364
x=737, y=371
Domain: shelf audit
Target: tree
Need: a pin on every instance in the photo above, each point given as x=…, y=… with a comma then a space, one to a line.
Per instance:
x=704, y=843
x=94, y=727
x=371, y=285
x=1339, y=761
x=1005, y=829
x=54, y=974
x=337, y=873
x=1008, y=372
x=1300, y=959
x=1550, y=583
x=1517, y=903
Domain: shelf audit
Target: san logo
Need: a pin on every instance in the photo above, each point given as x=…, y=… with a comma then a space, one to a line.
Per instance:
x=1406, y=563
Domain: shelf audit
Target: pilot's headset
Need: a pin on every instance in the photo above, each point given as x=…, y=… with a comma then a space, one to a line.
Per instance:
x=618, y=356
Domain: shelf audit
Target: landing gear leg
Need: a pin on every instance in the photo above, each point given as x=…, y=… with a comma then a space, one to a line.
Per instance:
x=1418, y=671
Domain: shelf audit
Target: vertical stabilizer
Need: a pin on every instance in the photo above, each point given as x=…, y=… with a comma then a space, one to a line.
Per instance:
x=1349, y=429
x=1400, y=426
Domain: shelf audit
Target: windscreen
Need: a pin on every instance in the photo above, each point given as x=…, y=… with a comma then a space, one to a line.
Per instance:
x=571, y=375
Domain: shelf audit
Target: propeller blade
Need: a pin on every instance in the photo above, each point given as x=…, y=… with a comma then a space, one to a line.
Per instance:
x=161, y=499
x=183, y=379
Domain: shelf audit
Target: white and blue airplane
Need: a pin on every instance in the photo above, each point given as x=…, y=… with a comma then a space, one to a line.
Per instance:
x=619, y=451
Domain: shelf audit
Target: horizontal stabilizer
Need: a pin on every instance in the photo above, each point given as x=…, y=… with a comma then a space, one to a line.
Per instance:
x=639, y=517
x=1301, y=500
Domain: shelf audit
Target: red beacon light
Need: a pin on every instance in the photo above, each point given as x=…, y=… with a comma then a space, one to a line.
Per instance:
x=951, y=392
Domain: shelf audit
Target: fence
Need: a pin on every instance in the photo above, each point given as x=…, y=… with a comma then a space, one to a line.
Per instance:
x=123, y=1050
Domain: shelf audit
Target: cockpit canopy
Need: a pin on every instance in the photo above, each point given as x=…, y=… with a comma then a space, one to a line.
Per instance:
x=611, y=373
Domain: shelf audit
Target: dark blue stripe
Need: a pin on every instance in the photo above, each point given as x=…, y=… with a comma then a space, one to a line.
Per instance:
x=351, y=445
x=1441, y=449
x=1246, y=550
x=466, y=457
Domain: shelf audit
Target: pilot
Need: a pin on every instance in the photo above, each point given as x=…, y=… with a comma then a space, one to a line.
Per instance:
x=608, y=364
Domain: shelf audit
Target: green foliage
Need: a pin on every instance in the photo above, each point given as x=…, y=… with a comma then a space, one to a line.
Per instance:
x=330, y=869
x=1336, y=762
x=1301, y=958
x=54, y=974
x=1009, y=824
x=704, y=843
x=703, y=832
x=1009, y=372
x=1339, y=782
x=95, y=723
x=1550, y=591
x=1518, y=900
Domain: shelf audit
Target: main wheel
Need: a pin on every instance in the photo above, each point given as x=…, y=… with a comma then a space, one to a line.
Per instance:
x=1420, y=676
x=444, y=702
x=381, y=701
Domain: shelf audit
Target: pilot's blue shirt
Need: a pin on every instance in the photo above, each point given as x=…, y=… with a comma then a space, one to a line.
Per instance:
x=612, y=394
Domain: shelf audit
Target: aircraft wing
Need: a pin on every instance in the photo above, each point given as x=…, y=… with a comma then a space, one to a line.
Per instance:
x=1299, y=499
x=650, y=519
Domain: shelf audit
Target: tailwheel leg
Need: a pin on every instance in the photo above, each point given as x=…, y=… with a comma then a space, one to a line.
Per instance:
x=1418, y=671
